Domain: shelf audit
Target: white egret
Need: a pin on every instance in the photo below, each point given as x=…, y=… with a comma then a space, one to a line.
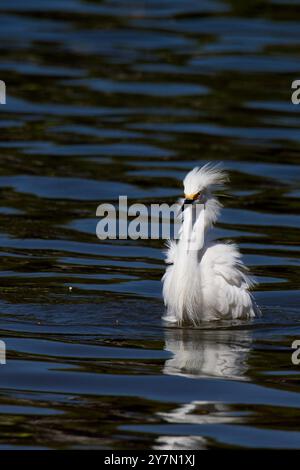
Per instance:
x=204, y=280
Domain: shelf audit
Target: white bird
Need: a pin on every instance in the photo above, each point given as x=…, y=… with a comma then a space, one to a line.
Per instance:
x=204, y=280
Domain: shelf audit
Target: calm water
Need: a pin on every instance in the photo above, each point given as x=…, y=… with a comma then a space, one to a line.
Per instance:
x=113, y=97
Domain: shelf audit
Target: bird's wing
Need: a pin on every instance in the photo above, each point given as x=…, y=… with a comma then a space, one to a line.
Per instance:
x=226, y=282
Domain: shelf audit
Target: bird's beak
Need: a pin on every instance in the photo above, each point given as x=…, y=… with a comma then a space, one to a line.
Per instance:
x=186, y=201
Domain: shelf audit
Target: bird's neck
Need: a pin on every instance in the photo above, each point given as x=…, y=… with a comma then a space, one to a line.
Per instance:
x=197, y=220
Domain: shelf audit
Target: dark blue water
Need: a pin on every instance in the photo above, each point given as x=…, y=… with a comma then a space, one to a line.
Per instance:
x=107, y=98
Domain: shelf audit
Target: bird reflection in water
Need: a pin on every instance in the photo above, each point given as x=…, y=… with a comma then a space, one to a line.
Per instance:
x=215, y=353
x=218, y=353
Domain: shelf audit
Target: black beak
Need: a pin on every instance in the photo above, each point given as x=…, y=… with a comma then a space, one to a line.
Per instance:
x=185, y=202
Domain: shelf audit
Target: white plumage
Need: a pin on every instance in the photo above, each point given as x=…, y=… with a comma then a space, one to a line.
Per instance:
x=204, y=280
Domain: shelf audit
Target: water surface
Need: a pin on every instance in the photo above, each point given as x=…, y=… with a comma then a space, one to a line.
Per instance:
x=107, y=98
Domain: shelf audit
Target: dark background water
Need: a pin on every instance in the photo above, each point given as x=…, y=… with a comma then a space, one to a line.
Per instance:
x=113, y=97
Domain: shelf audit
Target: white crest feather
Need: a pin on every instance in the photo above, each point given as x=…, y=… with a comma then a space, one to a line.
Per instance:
x=204, y=177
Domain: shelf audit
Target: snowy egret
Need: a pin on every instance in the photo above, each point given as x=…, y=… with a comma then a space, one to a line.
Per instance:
x=204, y=280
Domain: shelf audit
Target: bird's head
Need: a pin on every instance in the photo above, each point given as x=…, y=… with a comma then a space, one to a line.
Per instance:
x=199, y=182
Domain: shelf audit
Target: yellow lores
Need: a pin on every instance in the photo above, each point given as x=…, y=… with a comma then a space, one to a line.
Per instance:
x=191, y=197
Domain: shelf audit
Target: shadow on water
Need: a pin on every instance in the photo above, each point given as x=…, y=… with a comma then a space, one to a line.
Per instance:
x=105, y=99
